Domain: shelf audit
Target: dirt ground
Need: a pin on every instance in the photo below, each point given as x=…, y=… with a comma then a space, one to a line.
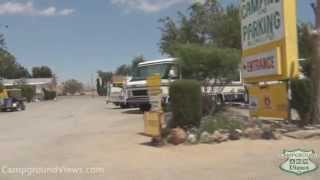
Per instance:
x=84, y=132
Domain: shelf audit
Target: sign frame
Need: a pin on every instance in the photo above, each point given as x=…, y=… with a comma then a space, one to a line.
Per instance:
x=287, y=47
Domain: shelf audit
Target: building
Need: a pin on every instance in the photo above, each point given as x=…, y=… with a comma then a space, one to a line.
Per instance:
x=37, y=83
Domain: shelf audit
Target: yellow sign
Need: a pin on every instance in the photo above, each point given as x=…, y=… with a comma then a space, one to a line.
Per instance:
x=154, y=91
x=269, y=101
x=269, y=40
x=3, y=94
x=152, y=123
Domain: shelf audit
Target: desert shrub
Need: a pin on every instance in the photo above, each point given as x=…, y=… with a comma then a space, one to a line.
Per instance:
x=1, y=87
x=49, y=95
x=185, y=102
x=302, y=98
x=217, y=122
x=27, y=92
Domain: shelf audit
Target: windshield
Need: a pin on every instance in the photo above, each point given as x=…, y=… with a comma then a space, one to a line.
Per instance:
x=143, y=72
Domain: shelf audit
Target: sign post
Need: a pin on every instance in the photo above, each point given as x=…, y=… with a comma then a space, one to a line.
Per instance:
x=269, y=53
x=153, y=119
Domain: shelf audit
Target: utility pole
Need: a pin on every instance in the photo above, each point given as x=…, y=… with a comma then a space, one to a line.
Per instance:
x=315, y=76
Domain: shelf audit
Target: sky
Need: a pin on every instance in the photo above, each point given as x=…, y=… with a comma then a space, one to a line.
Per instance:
x=78, y=37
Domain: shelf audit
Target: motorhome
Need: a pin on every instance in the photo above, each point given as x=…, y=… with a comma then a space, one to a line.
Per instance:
x=117, y=91
x=137, y=93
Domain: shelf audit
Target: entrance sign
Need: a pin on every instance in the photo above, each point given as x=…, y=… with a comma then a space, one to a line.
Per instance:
x=269, y=40
x=266, y=63
x=269, y=101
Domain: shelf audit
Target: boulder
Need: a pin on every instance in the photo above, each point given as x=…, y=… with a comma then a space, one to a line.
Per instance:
x=205, y=137
x=267, y=132
x=277, y=136
x=177, y=136
x=192, y=139
x=235, y=134
x=219, y=137
x=253, y=133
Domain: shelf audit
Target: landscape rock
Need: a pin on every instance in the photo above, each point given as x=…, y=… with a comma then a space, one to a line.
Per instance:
x=219, y=137
x=235, y=134
x=277, y=136
x=290, y=127
x=304, y=134
x=192, y=139
x=267, y=132
x=253, y=133
x=177, y=136
x=205, y=137
x=281, y=131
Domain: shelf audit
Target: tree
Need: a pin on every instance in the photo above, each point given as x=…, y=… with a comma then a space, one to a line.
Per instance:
x=42, y=72
x=130, y=69
x=135, y=62
x=105, y=77
x=206, y=24
x=217, y=65
x=98, y=87
x=305, y=47
x=315, y=69
x=123, y=70
x=9, y=68
x=72, y=86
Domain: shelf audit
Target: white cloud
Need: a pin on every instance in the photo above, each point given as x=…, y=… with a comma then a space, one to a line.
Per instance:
x=27, y=8
x=149, y=5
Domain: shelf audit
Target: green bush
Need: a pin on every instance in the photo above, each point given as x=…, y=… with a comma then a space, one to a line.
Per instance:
x=217, y=122
x=49, y=95
x=302, y=98
x=185, y=101
x=27, y=92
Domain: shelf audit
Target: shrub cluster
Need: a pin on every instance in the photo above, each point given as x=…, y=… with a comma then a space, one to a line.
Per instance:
x=185, y=101
x=49, y=95
x=219, y=121
x=302, y=98
x=27, y=92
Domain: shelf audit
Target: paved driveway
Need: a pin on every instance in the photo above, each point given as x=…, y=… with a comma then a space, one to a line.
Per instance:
x=83, y=138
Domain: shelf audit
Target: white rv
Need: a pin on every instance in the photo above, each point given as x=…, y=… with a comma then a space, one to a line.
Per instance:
x=137, y=93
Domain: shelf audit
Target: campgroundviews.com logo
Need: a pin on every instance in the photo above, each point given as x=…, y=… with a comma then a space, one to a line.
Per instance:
x=298, y=161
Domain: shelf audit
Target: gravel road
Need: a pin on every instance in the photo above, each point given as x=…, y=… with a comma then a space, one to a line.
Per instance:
x=82, y=138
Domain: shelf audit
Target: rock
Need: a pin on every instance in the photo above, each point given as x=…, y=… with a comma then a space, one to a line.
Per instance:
x=205, y=137
x=277, y=136
x=177, y=136
x=219, y=137
x=310, y=128
x=192, y=139
x=235, y=134
x=303, y=134
x=281, y=131
x=290, y=127
x=253, y=133
x=267, y=132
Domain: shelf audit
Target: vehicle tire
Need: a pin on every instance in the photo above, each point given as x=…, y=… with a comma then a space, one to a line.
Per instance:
x=145, y=107
x=123, y=106
x=22, y=106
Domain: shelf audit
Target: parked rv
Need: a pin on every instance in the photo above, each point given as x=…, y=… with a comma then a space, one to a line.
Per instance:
x=137, y=93
x=117, y=91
